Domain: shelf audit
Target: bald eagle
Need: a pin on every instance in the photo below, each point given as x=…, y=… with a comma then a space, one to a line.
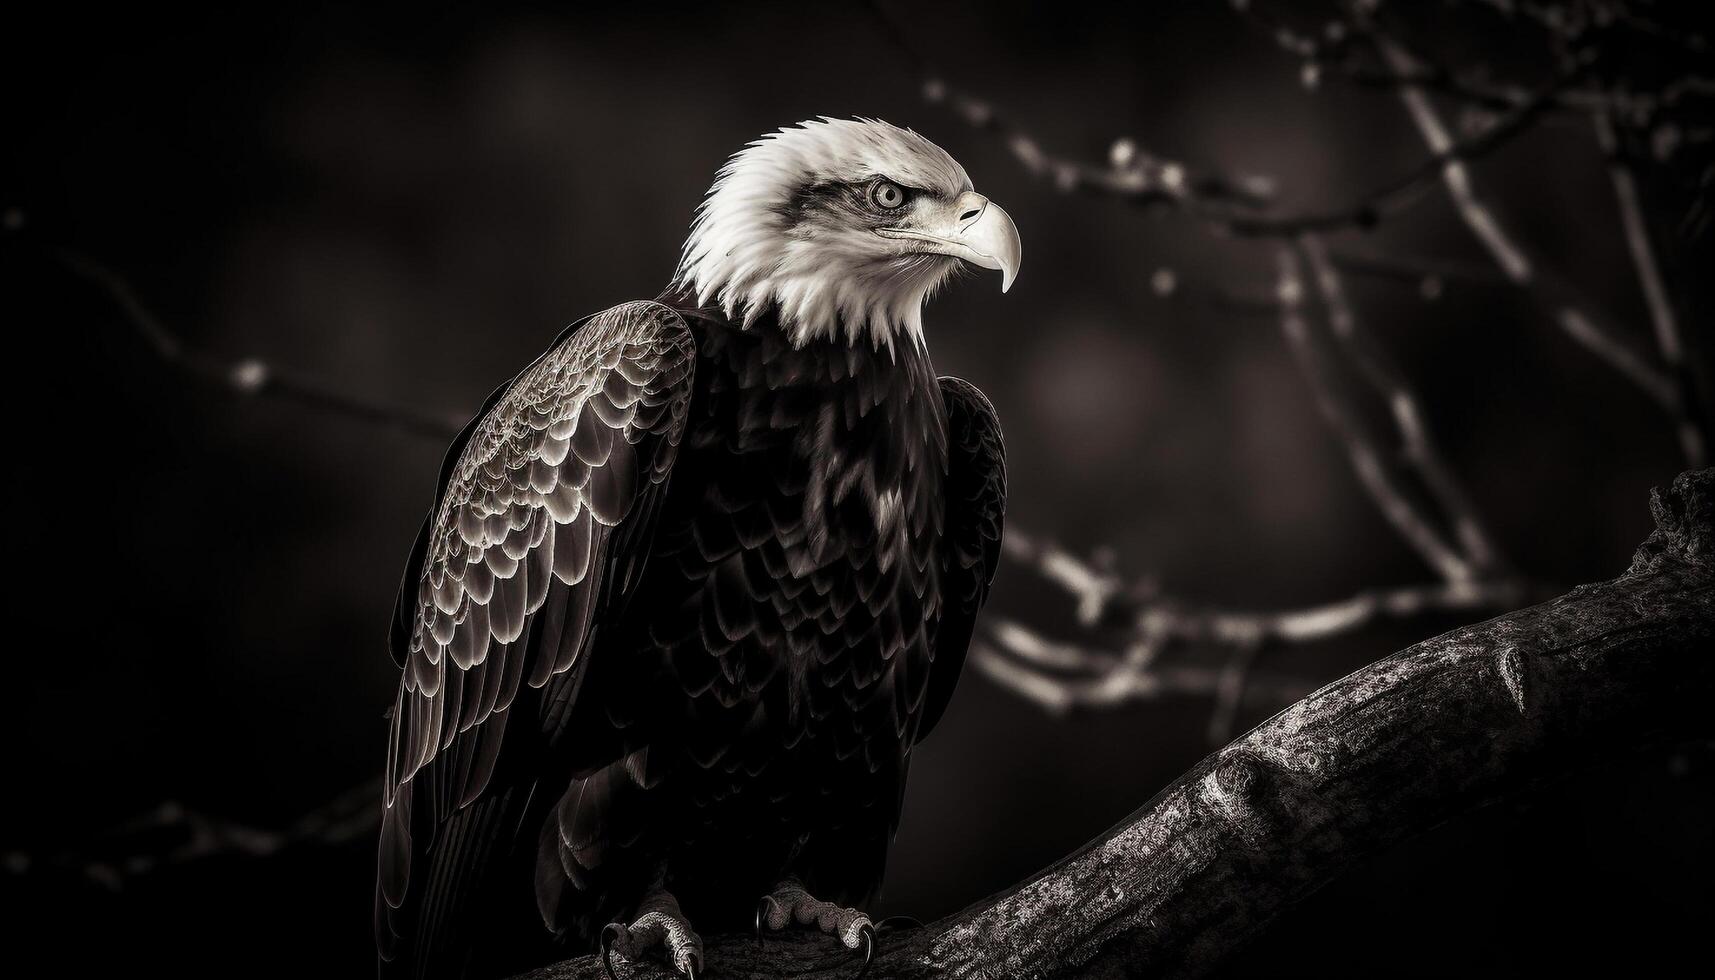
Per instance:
x=697, y=580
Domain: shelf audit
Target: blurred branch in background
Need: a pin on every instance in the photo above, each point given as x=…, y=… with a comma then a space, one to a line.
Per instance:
x=1552, y=290
x=1336, y=397
x=251, y=376
x=1245, y=206
x=1404, y=473
x=1240, y=205
x=173, y=834
x=1061, y=675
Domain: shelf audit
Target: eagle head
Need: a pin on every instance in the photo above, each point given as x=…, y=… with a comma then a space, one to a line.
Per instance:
x=843, y=228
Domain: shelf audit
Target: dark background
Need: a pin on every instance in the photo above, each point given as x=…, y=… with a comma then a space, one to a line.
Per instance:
x=410, y=202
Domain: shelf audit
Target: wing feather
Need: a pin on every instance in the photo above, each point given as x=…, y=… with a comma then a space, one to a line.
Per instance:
x=543, y=489
x=976, y=516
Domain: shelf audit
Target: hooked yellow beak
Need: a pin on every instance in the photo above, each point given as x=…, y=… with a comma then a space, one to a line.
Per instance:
x=972, y=228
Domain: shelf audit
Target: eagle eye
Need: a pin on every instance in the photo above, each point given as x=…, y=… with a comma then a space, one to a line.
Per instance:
x=886, y=195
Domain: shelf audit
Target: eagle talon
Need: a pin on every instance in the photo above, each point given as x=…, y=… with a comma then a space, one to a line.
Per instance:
x=660, y=926
x=761, y=907
x=867, y=934
x=790, y=903
x=609, y=934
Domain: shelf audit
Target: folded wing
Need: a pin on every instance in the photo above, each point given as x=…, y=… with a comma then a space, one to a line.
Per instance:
x=976, y=514
x=541, y=527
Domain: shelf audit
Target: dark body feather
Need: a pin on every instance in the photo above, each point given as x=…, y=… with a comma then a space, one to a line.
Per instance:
x=776, y=606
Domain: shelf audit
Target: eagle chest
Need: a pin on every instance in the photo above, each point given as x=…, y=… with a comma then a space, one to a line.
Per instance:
x=810, y=525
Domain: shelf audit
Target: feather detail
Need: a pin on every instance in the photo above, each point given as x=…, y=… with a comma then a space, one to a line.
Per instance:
x=501, y=587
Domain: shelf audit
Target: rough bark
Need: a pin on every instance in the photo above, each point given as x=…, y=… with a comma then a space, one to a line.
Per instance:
x=1475, y=715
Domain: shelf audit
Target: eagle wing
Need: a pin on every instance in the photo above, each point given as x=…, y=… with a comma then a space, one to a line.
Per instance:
x=540, y=528
x=976, y=514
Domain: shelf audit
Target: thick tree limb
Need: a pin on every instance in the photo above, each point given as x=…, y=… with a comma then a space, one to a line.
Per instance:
x=1475, y=715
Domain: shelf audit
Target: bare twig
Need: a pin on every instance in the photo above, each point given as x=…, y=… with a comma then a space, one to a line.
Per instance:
x=1060, y=675
x=1368, y=463
x=1324, y=621
x=1131, y=173
x=1242, y=207
x=1334, y=49
x=1092, y=588
x=1576, y=316
x=252, y=376
x=173, y=834
x=1477, y=215
x=1235, y=681
x=1141, y=177
x=1429, y=275
x=1237, y=206
x=1663, y=317
x=1104, y=600
x=1418, y=446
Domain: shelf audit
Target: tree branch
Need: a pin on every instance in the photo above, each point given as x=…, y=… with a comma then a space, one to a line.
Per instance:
x=1243, y=206
x=1239, y=206
x=1663, y=318
x=172, y=835
x=1418, y=447
x=250, y=376
x=1578, y=318
x=1062, y=677
x=1379, y=477
x=1606, y=669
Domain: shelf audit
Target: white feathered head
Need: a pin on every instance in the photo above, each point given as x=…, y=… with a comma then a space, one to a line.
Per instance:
x=845, y=227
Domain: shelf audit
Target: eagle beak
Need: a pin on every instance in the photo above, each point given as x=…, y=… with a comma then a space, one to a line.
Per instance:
x=972, y=228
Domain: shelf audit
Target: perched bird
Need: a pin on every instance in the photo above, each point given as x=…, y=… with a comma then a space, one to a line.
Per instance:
x=697, y=580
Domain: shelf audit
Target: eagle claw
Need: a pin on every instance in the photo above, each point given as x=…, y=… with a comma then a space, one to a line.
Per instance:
x=655, y=928
x=609, y=935
x=867, y=933
x=790, y=903
x=761, y=908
